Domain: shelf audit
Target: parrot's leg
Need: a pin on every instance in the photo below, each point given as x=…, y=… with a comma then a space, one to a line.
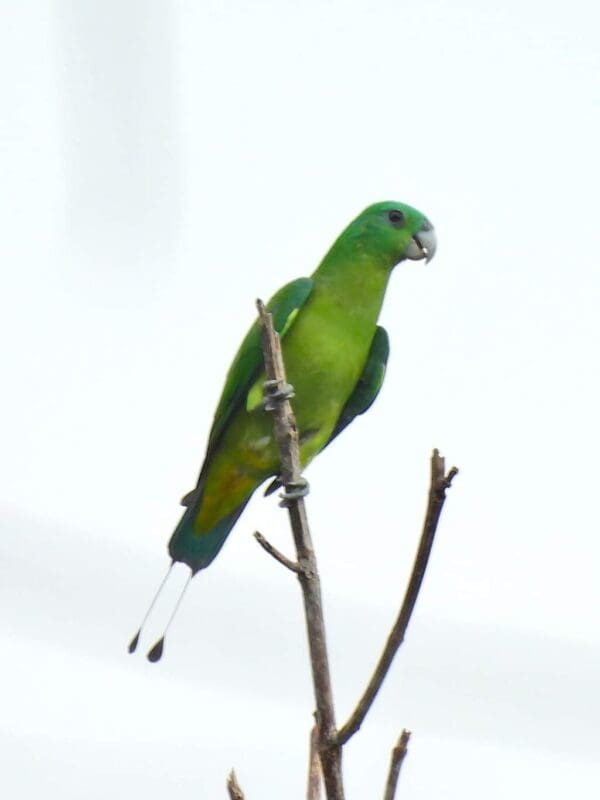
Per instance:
x=276, y=394
x=272, y=487
x=294, y=491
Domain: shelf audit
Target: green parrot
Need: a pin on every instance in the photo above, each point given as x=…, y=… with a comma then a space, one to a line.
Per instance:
x=335, y=357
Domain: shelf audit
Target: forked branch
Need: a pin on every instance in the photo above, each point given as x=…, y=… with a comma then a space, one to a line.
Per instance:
x=440, y=482
x=329, y=741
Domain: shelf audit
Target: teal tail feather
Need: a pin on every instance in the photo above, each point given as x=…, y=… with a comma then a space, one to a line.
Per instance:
x=197, y=551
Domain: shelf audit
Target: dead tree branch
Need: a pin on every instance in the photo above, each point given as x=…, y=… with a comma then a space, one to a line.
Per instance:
x=440, y=482
x=286, y=434
x=396, y=760
x=325, y=739
x=235, y=793
x=273, y=551
x=313, y=791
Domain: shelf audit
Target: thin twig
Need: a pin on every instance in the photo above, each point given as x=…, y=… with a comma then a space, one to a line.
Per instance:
x=273, y=551
x=313, y=791
x=235, y=793
x=286, y=434
x=440, y=482
x=398, y=754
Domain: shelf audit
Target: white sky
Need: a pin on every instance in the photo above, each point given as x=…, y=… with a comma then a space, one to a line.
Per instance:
x=162, y=164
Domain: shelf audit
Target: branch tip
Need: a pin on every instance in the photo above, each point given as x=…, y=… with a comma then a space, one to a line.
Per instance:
x=233, y=787
x=402, y=743
x=274, y=552
x=450, y=477
x=398, y=754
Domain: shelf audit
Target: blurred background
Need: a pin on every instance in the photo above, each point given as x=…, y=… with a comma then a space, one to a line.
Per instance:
x=163, y=164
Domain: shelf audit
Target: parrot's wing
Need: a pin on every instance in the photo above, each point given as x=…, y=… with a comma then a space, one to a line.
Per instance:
x=369, y=383
x=365, y=391
x=248, y=362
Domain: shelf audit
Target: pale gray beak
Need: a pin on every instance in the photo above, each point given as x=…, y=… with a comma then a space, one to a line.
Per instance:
x=423, y=244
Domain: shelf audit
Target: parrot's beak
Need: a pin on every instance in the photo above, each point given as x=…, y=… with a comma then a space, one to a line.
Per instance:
x=423, y=244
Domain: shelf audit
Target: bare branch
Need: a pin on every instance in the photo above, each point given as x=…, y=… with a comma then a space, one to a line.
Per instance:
x=273, y=551
x=314, y=767
x=398, y=754
x=235, y=793
x=440, y=482
x=286, y=433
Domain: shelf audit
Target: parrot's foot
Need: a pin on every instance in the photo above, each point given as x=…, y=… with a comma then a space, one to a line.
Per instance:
x=294, y=491
x=276, y=394
x=273, y=486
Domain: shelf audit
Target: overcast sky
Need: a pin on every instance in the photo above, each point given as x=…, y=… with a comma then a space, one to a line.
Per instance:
x=162, y=164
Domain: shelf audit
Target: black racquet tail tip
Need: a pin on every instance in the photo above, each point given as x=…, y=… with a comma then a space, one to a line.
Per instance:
x=134, y=642
x=156, y=651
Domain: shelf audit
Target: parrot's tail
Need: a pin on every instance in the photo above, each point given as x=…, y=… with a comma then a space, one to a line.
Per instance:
x=198, y=550
x=195, y=550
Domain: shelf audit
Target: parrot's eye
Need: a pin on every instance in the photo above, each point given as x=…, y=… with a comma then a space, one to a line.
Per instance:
x=396, y=218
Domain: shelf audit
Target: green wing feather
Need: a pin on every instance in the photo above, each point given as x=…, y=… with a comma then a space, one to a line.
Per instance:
x=365, y=391
x=248, y=362
x=369, y=383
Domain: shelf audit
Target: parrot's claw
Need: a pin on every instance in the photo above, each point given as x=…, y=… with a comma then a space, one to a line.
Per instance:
x=294, y=491
x=274, y=394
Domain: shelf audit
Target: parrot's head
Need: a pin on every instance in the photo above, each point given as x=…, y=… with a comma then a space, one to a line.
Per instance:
x=395, y=231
